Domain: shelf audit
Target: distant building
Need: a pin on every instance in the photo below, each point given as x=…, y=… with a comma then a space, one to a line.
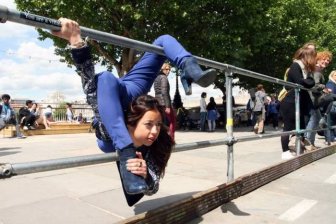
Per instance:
x=56, y=97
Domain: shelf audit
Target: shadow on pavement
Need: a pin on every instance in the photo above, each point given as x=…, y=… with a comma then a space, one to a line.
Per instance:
x=3, y=149
x=155, y=203
x=233, y=209
x=8, y=153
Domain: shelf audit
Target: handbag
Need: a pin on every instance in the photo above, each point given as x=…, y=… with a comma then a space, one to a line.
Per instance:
x=283, y=93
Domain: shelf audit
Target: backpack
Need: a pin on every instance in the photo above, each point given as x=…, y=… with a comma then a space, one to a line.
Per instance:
x=23, y=111
x=252, y=92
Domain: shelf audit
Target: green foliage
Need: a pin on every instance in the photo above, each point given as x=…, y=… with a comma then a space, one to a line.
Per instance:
x=60, y=111
x=261, y=36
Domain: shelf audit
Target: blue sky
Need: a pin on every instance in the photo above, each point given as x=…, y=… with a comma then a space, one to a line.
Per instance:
x=30, y=69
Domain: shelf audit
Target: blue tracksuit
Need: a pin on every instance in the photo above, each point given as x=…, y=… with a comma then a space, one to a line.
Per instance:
x=115, y=94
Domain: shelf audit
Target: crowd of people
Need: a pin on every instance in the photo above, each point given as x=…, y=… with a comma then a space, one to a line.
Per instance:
x=307, y=70
x=31, y=116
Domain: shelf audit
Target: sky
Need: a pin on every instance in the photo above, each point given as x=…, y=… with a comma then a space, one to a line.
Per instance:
x=30, y=69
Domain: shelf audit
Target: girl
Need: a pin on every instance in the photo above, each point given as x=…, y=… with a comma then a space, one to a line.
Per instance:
x=110, y=96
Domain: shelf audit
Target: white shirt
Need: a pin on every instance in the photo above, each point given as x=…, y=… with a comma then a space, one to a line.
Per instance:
x=203, y=105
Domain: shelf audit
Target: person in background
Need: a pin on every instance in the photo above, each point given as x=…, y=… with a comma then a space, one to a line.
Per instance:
x=26, y=117
x=69, y=112
x=203, y=111
x=80, y=119
x=259, y=109
x=273, y=111
x=299, y=72
x=48, y=115
x=212, y=114
x=40, y=118
x=8, y=116
x=162, y=94
x=331, y=87
x=323, y=59
x=182, y=117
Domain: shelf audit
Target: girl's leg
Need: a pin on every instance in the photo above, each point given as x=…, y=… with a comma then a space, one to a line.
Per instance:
x=260, y=125
x=140, y=78
x=288, y=116
x=111, y=112
x=210, y=126
x=111, y=109
x=46, y=122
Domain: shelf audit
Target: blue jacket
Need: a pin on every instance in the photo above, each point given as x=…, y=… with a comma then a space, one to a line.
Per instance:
x=332, y=86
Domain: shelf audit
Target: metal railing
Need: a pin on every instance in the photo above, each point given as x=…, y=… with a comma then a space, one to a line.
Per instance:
x=51, y=24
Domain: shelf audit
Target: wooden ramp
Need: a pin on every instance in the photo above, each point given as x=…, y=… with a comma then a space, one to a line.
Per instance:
x=56, y=128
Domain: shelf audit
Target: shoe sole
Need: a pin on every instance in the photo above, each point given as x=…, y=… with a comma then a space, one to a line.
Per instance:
x=208, y=78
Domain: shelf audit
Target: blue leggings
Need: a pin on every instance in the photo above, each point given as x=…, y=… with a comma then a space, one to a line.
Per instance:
x=114, y=95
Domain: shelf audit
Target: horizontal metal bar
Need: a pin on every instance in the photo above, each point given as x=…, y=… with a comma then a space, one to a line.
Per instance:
x=7, y=170
x=52, y=24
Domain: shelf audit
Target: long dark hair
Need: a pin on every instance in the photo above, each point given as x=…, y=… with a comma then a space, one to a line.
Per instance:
x=161, y=149
x=308, y=58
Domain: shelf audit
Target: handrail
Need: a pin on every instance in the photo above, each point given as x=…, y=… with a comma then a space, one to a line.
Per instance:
x=29, y=19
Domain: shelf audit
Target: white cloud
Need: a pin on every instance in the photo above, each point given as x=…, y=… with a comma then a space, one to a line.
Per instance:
x=10, y=29
x=9, y=3
x=34, y=72
x=14, y=31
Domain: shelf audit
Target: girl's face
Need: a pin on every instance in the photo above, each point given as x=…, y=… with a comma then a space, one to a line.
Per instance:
x=147, y=129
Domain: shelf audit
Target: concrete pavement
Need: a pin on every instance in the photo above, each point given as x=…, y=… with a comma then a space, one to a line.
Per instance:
x=93, y=194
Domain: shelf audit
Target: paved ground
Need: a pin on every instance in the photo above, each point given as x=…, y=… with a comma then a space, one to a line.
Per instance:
x=93, y=194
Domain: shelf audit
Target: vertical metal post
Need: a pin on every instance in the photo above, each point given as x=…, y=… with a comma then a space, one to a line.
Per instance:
x=229, y=125
x=297, y=122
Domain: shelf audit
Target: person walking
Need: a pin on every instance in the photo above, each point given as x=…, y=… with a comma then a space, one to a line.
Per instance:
x=162, y=94
x=212, y=114
x=259, y=109
x=203, y=111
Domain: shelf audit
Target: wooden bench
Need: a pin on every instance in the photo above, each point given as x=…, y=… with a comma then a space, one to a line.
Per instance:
x=60, y=128
x=8, y=131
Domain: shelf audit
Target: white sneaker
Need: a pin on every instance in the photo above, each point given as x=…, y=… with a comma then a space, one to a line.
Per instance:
x=25, y=128
x=287, y=155
x=21, y=136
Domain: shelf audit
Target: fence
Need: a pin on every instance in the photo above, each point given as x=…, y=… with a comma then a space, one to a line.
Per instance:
x=229, y=70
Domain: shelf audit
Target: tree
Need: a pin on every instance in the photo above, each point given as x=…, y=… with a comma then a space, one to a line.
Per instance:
x=256, y=35
x=140, y=20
